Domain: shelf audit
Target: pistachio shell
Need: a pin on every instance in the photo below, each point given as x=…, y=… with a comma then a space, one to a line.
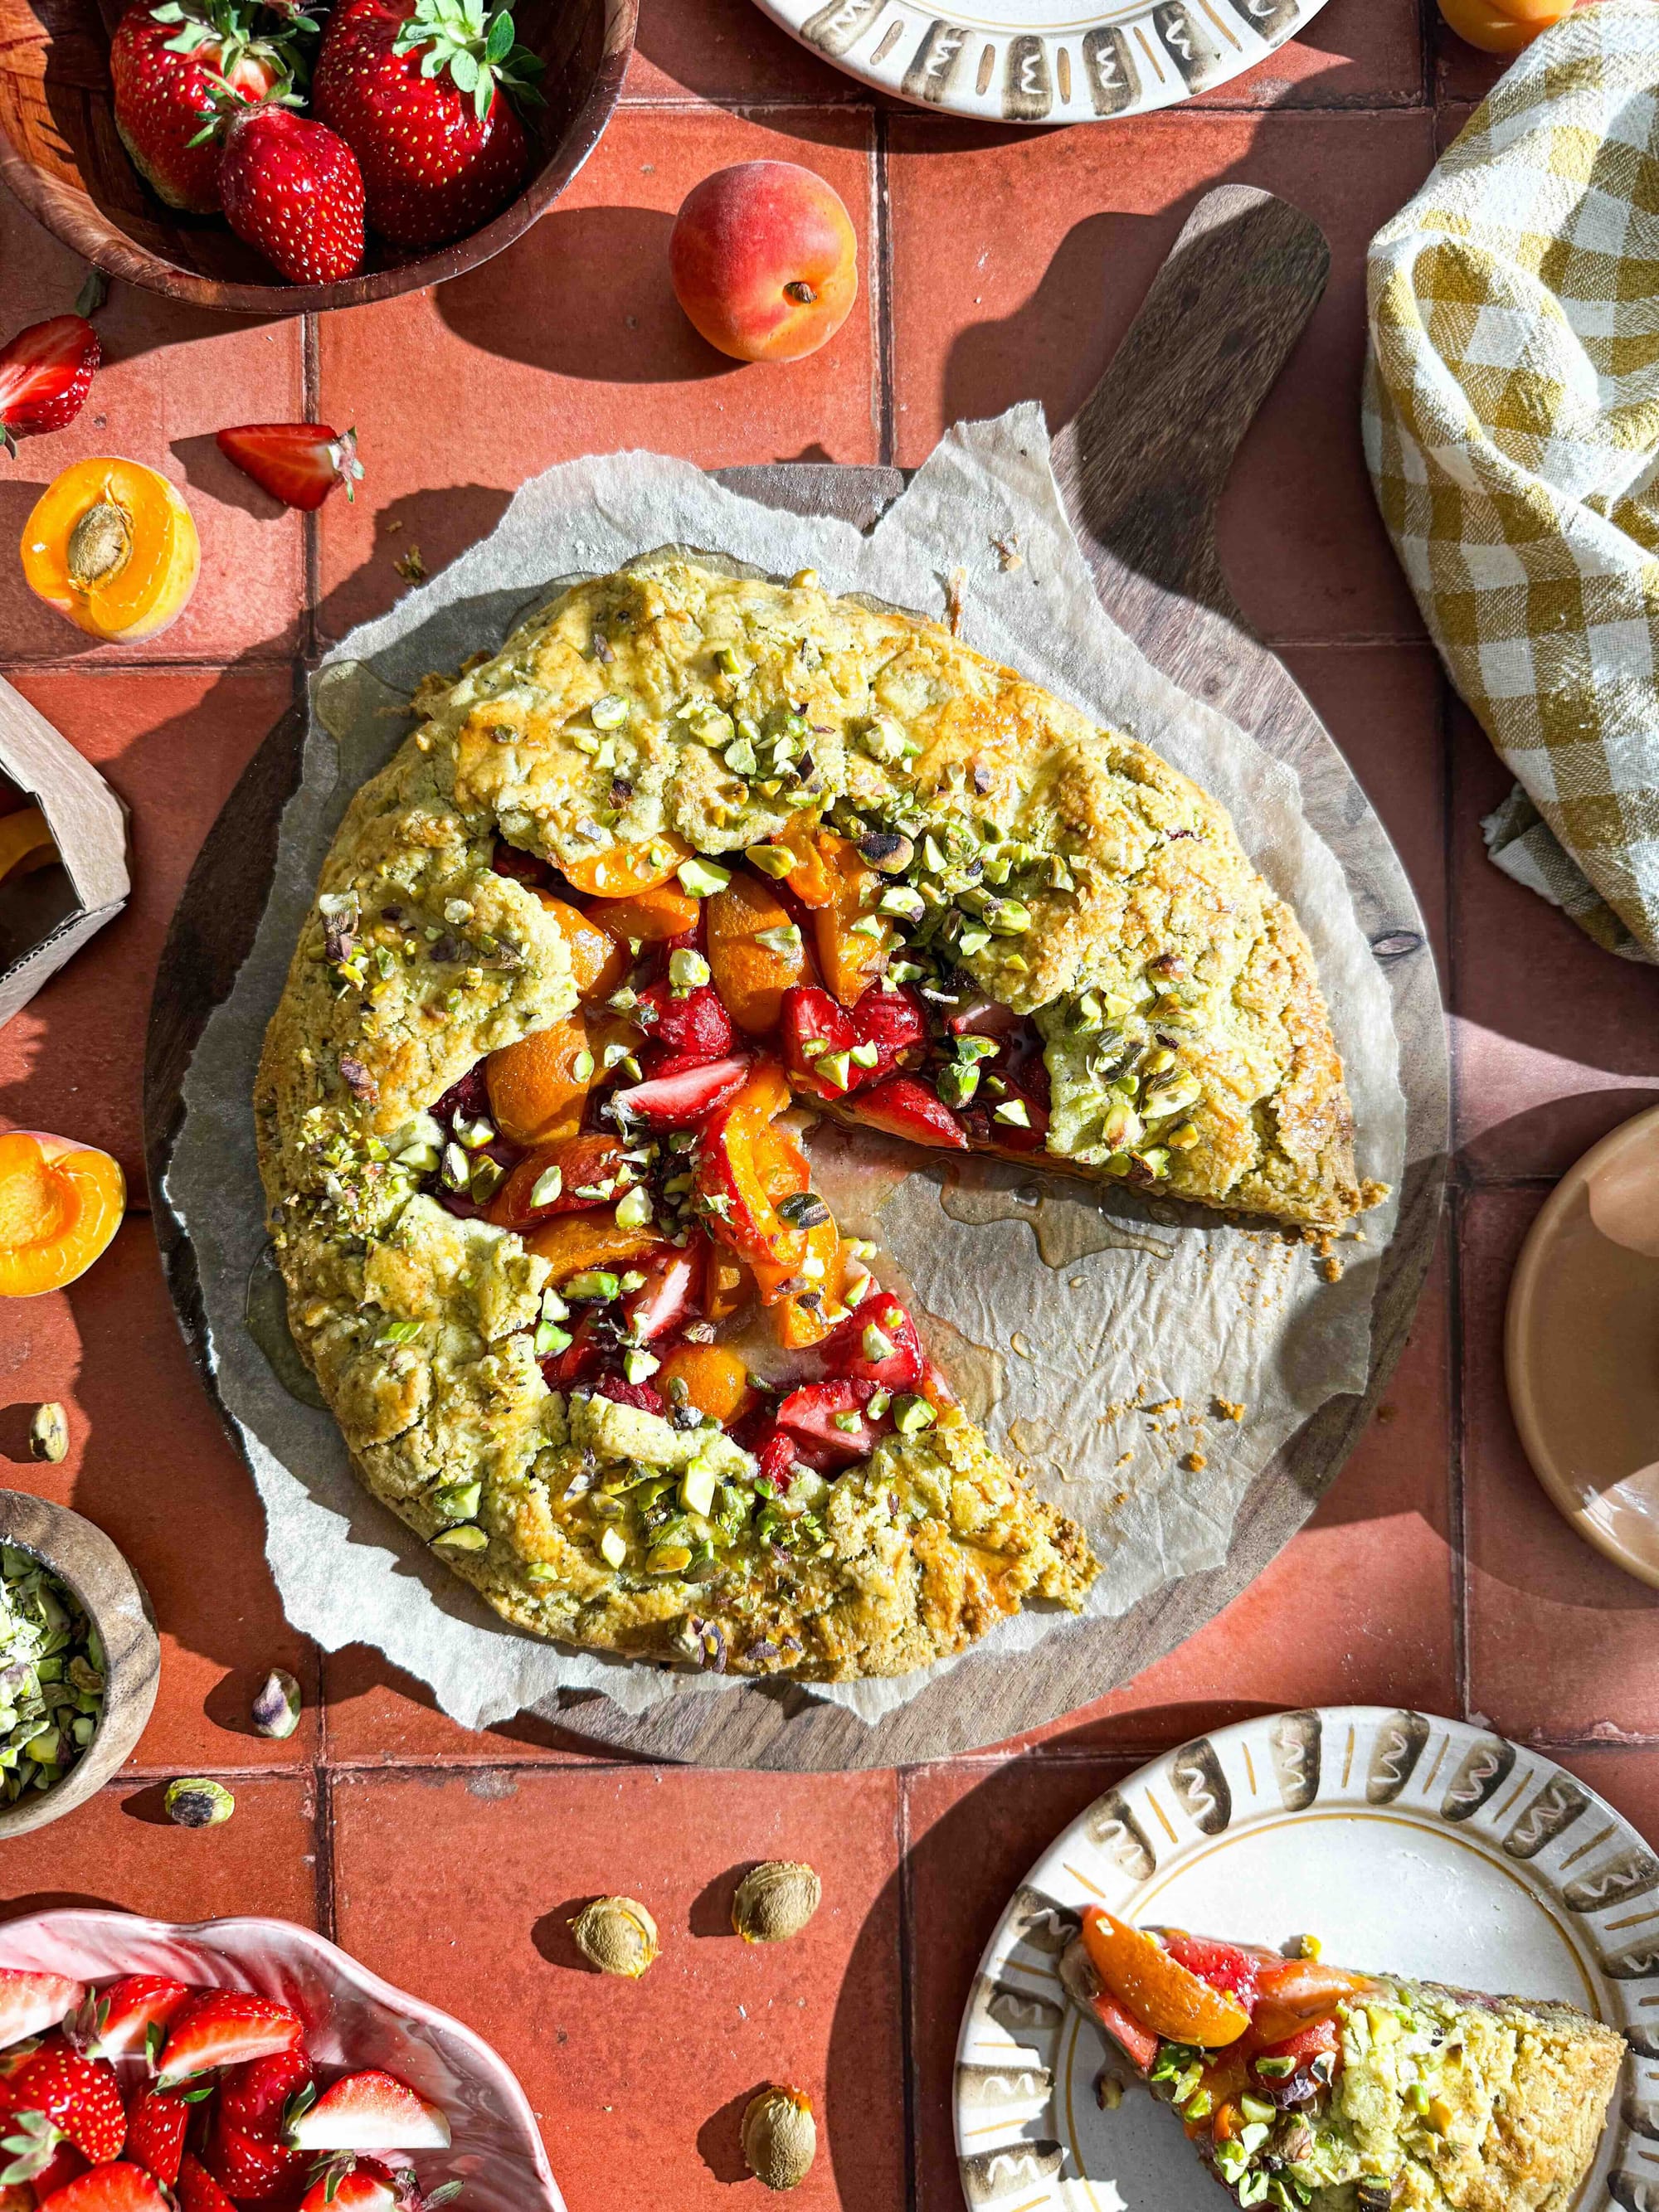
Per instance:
x=276, y=1706
x=780, y=2137
x=193, y=1802
x=616, y=1935
x=49, y=1432
x=776, y=1900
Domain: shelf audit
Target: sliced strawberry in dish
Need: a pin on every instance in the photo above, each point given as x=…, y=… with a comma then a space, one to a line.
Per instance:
x=256, y=2096
x=905, y=1107
x=836, y=1414
x=114, y=2188
x=680, y=1101
x=666, y=1298
x=876, y=1343
x=31, y=2003
x=156, y=2133
x=817, y=1037
x=226, y=2028
x=579, y=1362
x=776, y=1453
x=59, y=2095
x=1223, y=1966
x=371, y=2111
x=252, y=2168
x=198, y=2189
x=130, y=2017
x=1138, y=2044
x=359, y=2186
x=690, y=1027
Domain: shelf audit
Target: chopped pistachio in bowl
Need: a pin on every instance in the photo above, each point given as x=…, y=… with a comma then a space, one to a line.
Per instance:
x=51, y=1675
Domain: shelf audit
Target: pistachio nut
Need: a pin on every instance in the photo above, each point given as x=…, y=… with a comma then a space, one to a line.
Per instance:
x=193, y=1802
x=616, y=1935
x=276, y=1709
x=776, y=1900
x=780, y=2137
x=49, y=1432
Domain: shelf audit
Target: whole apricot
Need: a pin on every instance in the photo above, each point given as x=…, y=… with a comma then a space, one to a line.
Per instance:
x=764, y=260
x=1503, y=27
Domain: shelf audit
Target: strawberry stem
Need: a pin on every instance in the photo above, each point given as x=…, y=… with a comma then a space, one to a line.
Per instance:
x=478, y=50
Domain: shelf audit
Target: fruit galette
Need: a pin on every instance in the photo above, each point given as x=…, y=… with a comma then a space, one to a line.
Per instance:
x=691, y=856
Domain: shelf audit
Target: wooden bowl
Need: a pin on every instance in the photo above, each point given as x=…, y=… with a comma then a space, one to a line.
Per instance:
x=61, y=156
x=116, y=1602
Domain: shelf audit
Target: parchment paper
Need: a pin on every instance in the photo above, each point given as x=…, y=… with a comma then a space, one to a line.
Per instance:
x=1082, y=1351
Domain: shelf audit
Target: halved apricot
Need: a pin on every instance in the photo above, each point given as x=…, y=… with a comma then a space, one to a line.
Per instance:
x=577, y=1242
x=753, y=977
x=110, y=545
x=60, y=1204
x=651, y=915
x=598, y=963
x=538, y=1085
x=851, y=959
x=26, y=842
x=1161, y=1993
x=801, y=1318
x=716, y=1381
x=626, y=869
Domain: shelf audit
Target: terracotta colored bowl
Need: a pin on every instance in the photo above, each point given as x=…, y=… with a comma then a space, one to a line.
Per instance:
x=60, y=155
x=354, y=2020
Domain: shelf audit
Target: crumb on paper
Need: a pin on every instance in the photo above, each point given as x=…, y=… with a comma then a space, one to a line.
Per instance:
x=1195, y=1462
x=411, y=567
x=1229, y=1409
x=956, y=591
x=1331, y=1268
x=1007, y=550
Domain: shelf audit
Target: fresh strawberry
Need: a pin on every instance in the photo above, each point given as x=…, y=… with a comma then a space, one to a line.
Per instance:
x=372, y=2111
x=62, y=2093
x=65, y=2164
x=156, y=2133
x=817, y=1038
x=906, y=1107
x=130, y=2017
x=252, y=2168
x=119, y=2188
x=198, y=2189
x=664, y=1300
x=418, y=87
x=226, y=2028
x=175, y=68
x=689, y=1030
x=256, y=2097
x=293, y=190
x=681, y=1100
x=854, y=1350
x=46, y=372
x=298, y=463
x=835, y=1413
x=358, y=2185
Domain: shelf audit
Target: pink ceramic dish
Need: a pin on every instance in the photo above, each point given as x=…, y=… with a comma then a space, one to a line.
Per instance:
x=353, y=2020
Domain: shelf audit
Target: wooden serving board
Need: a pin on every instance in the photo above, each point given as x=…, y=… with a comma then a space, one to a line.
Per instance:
x=1141, y=467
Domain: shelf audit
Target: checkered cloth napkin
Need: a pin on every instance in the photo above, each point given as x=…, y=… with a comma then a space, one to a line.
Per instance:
x=1511, y=423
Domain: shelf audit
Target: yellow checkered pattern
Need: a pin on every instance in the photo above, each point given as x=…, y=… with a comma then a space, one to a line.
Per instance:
x=1511, y=422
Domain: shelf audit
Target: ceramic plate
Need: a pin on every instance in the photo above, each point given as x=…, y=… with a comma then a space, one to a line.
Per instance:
x=1582, y=1346
x=1411, y=1845
x=353, y=2019
x=1044, y=61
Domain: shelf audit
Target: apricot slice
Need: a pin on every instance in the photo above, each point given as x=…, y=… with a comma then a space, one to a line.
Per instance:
x=538, y=1085
x=577, y=1242
x=731, y=1178
x=627, y=869
x=1161, y=1993
x=584, y=1164
x=752, y=977
x=727, y=1284
x=851, y=959
x=651, y=915
x=26, y=842
x=60, y=1204
x=598, y=963
x=110, y=545
x=801, y=1319
x=1294, y=1991
x=716, y=1381
x=808, y=879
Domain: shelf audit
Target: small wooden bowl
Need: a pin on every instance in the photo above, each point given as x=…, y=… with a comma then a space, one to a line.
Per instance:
x=115, y=1601
x=62, y=157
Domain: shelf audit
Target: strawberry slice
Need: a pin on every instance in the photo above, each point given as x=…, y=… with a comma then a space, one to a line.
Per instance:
x=983, y=1018
x=579, y=1362
x=817, y=1038
x=1138, y=2044
x=131, y=2016
x=252, y=2168
x=1223, y=1965
x=156, y=2133
x=876, y=1343
x=364, y=2186
x=693, y=1028
x=645, y=1395
x=117, y=2188
x=46, y=372
x=906, y=1107
x=372, y=2111
x=198, y=2189
x=226, y=2028
x=255, y=2097
x=671, y=1286
x=62, y=2093
x=777, y=1453
x=834, y=1414
x=894, y=1021
x=31, y=2003
x=680, y=1101
x=298, y=463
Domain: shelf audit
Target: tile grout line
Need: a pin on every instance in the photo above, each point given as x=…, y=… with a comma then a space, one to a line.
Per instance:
x=328, y=1918
x=881, y=287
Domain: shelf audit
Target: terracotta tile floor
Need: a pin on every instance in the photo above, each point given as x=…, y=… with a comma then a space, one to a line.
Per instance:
x=998, y=266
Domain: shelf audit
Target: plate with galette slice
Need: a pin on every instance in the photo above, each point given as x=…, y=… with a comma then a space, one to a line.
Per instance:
x=1346, y=1960
x=693, y=857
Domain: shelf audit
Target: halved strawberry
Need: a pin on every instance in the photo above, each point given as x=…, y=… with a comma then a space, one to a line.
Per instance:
x=31, y=2003
x=835, y=1413
x=905, y=1107
x=621, y=1392
x=156, y=2133
x=63, y=2093
x=982, y=1018
x=198, y=2189
x=664, y=1299
x=680, y=1101
x=130, y=2016
x=361, y=2186
x=117, y=2188
x=692, y=1028
x=371, y=2111
x=776, y=1453
x=817, y=1037
x=256, y=2097
x=298, y=463
x=252, y=2168
x=65, y=2164
x=893, y=1021
x=46, y=372
x=226, y=2029
x=876, y=1343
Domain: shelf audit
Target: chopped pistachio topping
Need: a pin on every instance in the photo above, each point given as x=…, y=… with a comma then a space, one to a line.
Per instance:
x=609, y=713
x=548, y=1185
x=687, y=972
x=774, y=860
x=593, y=1284
x=701, y=878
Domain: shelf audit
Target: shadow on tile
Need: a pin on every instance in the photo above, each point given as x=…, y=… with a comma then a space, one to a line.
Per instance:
x=426, y=530
x=206, y=470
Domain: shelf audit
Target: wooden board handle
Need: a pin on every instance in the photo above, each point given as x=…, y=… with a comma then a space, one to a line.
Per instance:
x=1143, y=462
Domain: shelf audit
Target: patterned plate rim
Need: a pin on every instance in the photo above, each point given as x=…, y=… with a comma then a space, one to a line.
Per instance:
x=1117, y=57
x=1580, y=1859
